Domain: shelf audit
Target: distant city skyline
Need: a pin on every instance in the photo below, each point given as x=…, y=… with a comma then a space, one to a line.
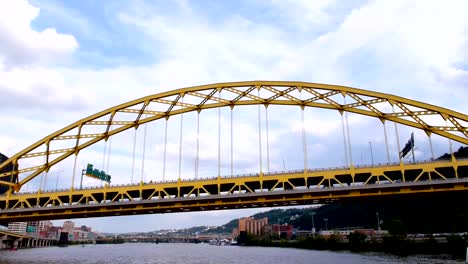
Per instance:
x=61, y=61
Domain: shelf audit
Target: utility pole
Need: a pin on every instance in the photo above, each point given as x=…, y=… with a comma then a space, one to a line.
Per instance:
x=279, y=229
x=81, y=182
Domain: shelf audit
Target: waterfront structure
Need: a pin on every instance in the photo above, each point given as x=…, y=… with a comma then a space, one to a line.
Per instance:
x=47, y=232
x=11, y=240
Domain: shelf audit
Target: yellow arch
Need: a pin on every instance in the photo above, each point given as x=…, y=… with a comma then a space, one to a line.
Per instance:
x=241, y=93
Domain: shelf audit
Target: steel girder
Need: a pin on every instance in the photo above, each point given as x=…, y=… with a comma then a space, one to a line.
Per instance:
x=275, y=189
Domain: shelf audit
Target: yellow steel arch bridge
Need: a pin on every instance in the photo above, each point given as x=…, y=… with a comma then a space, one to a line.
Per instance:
x=263, y=188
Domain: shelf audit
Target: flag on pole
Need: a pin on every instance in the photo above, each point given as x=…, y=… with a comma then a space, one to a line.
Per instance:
x=408, y=147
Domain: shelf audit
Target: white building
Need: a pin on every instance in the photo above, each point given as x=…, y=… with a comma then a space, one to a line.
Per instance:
x=17, y=227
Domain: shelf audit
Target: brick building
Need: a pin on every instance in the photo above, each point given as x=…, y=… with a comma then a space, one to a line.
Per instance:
x=252, y=226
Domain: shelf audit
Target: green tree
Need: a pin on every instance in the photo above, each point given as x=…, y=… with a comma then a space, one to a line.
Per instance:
x=357, y=241
x=396, y=227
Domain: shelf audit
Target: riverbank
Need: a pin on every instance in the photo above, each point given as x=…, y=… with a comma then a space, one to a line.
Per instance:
x=454, y=246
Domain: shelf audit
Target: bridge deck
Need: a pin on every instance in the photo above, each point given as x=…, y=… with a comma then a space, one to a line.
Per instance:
x=274, y=189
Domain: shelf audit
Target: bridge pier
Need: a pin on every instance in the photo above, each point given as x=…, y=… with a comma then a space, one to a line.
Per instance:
x=15, y=243
x=2, y=246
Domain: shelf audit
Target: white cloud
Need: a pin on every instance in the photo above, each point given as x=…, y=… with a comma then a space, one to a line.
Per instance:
x=37, y=88
x=21, y=45
x=26, y=82
x=303, y=13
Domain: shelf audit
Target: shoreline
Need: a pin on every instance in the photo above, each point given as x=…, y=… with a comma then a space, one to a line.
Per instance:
x=455, y=248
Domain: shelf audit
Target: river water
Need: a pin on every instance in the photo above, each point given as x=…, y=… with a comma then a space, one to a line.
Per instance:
x=196, y=254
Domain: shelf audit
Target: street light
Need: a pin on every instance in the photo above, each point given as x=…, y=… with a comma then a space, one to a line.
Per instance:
x=371, y=152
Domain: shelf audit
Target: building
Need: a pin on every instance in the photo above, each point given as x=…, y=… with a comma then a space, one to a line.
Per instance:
x=79, y=234
x=17, y=227
x=339, y=234
x=53, y=232
x=38, y=227
x=252, y=226
x=235, y=233
x=68, y=226
x=283, y=231
x=344, y=233
x=44, y=225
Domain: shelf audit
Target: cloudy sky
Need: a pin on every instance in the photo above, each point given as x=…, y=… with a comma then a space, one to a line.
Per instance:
x=63, y=60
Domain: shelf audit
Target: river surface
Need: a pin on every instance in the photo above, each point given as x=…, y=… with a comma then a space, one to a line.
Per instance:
x=130, y=253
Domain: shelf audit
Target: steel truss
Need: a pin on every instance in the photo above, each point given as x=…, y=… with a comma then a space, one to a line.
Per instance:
x=164, y=105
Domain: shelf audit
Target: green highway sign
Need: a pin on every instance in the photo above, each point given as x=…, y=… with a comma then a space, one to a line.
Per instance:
x=97, y=174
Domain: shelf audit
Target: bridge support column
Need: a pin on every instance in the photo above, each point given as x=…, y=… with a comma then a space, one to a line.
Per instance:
x=2, y=244
x=29, y=243
x=466, y=260
x=15, y=243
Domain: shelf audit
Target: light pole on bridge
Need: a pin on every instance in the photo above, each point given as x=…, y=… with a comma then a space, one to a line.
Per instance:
x=371, y=152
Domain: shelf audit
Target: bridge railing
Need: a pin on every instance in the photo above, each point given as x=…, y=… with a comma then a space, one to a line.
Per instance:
x=255, y=174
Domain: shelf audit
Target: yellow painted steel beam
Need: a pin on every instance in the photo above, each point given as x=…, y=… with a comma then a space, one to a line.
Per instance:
x=271, y=189
x=221, y=202
x=245, y=96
